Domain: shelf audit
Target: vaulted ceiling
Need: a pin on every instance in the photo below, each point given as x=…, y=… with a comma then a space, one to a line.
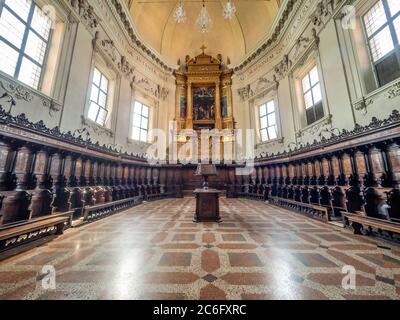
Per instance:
x=154, y=21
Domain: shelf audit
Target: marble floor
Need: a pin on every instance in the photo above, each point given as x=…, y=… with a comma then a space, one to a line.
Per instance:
x=154, y=251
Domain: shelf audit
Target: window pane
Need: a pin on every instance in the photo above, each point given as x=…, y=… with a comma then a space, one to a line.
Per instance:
x=270, y=107
x=104, y=83
x=29, y=73
x=41, y=23
x=317, y=93
x=93, y=110
x=314, y=76
x=394, y=6
x=143, y=135
x=396, y=23
x=101, y=118
x=306, y=84
x=136, y=120
x=264, y=135
x=145, y=123
x=138, y=107
x=272, y=132
x=145, y=111
x=136, y=133
x=94, y=94
x=271, y=119
x=96, y=77
x=8, y=59
x=102, y=99
x=308, y=100
x=381, y=44
x=11, y=28
x=263, y=110
x=35, y=48
x=263, y=122
x=20, y=7
x=375, y=18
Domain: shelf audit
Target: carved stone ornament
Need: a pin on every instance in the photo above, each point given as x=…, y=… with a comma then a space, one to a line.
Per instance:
x=394, y=91
x=99, y=130
x=315, y=128
x=51, y=105
x=86, y=13
x=363, y=105
x=262, y=148
x=17, y=91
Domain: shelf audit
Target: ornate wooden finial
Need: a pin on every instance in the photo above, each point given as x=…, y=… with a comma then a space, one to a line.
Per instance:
x=203, y=47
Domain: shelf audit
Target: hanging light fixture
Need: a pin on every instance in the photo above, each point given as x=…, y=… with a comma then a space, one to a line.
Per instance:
x=229, y=10
x=180, y=14
x=204, y=22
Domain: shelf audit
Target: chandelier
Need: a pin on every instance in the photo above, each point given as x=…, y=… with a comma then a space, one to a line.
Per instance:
x=180, y=14
x=229, y=10
x=204, y=22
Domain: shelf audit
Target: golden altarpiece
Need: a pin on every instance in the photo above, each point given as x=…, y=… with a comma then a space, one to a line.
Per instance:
x=204, y=96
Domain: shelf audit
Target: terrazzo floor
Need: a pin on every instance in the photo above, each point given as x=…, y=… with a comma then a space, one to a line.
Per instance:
x=154, y=251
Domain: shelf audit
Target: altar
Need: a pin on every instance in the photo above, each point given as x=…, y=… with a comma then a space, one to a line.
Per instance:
x=204, y=99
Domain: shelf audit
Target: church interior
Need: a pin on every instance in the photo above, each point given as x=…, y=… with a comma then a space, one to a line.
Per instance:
x=199, y=149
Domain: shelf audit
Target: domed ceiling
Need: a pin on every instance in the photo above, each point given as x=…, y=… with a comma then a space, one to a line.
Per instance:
x=235, y=38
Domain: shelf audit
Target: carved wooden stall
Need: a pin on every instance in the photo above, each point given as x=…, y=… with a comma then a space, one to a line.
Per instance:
x=51, y=180
x=353, y=176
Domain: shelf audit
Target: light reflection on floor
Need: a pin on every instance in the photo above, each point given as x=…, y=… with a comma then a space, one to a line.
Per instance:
x=154, y=251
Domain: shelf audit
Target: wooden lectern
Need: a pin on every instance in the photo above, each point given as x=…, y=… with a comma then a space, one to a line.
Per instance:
x=207, y=200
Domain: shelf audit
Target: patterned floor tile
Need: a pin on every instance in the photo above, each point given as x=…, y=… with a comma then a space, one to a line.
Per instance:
x=155, y=251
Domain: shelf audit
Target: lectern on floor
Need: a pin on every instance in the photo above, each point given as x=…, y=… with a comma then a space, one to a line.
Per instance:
x=207, y=200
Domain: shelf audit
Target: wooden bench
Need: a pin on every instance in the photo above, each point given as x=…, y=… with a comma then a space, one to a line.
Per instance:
x=158, y=196
x=95, y=212
x=23, y=235
x=311, y=210
x=247, y=195
x=360, y=221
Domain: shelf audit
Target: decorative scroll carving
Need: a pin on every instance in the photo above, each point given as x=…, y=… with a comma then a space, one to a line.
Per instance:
x=324, y=9
x=17, y=91
x=51, y=105
x=109, y=48
x=313, y=129
x=301, y=44
x=262, y=148
x=99, y=130
x=260, y=86
x=363, y=105
x=283, y=67
x=86, y=12
x=394, y=91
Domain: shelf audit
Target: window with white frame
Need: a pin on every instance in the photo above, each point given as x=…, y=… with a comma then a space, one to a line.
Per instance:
x=382, y=27
x=98, y=98
x=25, y=32
x=268, y=123
x=312, y=96
x=140, y=122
